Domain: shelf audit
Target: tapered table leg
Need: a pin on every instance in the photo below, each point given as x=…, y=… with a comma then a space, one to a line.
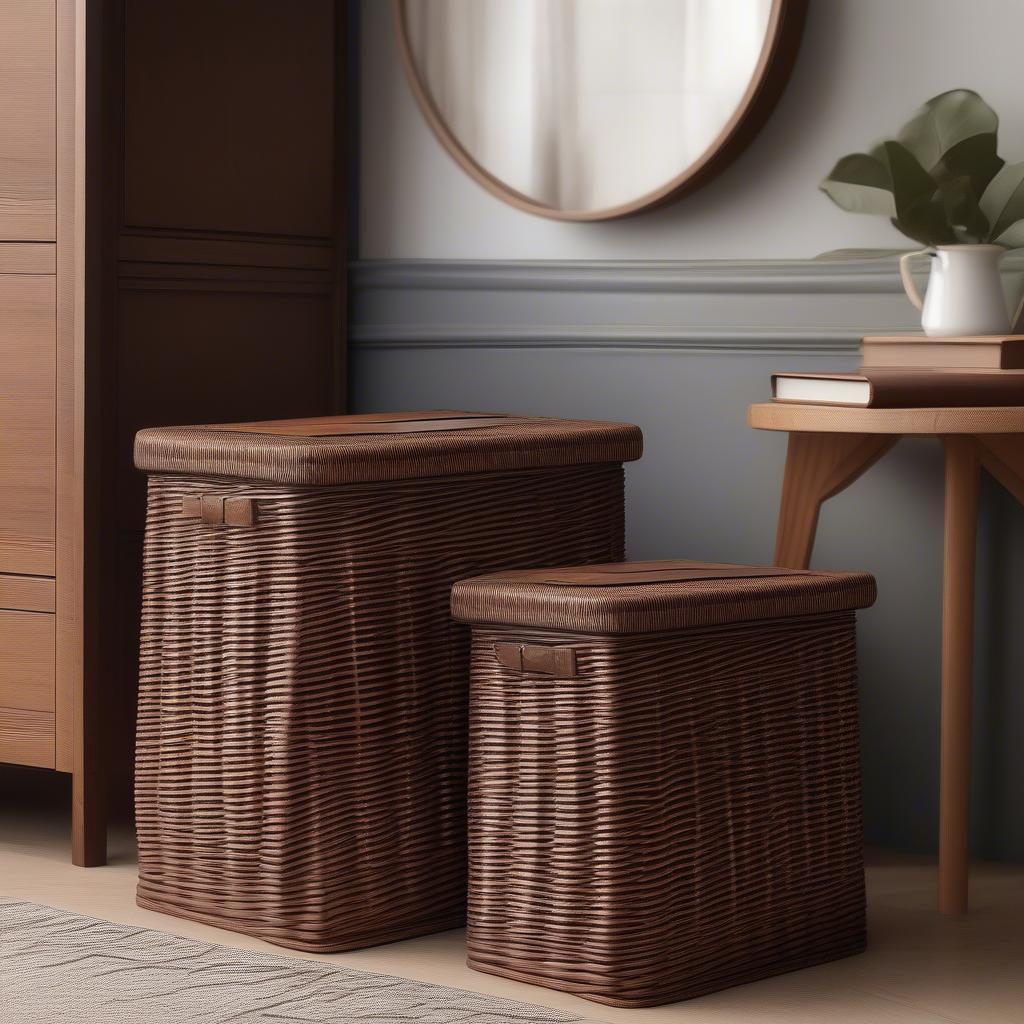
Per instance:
x=962, y=483
x=817, y=467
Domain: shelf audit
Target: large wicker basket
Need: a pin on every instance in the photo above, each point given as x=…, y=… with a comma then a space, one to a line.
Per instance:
x=302, y=710
x=664, y=776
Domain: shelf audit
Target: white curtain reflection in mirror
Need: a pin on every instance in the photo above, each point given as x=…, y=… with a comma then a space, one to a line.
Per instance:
x=586, y=104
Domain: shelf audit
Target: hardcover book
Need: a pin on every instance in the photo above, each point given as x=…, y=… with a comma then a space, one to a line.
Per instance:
x=982, y=352
x=902, y=389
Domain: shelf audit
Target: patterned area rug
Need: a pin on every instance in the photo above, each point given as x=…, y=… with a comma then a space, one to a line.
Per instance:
x=61, y=967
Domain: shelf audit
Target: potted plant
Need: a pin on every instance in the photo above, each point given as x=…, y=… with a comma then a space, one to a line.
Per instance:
x=942, y=183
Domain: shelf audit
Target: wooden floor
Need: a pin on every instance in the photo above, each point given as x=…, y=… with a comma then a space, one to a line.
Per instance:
x=919, y=968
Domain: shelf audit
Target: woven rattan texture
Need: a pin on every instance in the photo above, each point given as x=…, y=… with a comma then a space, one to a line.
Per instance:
x=302, y=717
x=327, y=461
x=683, y=816
x=522, y=599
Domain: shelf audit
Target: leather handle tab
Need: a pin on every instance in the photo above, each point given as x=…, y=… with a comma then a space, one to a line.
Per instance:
x=539, y=658
x=220, y=509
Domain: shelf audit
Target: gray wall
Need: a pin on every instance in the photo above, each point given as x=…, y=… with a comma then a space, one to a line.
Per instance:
x=602, y=340
x=682, y=347
x=865, y=65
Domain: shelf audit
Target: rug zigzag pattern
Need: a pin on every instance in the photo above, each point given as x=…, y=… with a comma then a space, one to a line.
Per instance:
x=80, y=970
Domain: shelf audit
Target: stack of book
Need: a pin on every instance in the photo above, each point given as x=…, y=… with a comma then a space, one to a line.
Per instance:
x=914, y=371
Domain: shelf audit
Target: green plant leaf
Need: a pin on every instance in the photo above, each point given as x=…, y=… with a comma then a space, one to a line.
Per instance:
x=860, y=184
x=960, y=204
x=1013, y=236
x=944, y=122
x=1003, y=201
x=974, y=158
x=926, y=222
x=931, y=178
x=909, y=182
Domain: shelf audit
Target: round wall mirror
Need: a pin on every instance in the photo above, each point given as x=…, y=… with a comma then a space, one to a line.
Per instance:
x=593, y=109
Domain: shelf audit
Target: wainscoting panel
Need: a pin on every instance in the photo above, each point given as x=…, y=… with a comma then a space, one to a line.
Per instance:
x=682, y=349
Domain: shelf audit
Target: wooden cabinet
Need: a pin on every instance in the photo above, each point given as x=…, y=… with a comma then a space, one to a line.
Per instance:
x=28, y=345
x=27, y=695
x=26, y=737
x=27, y=120
x=255, y=93
x=28, y=381
x=26, y=652
x=203, y=144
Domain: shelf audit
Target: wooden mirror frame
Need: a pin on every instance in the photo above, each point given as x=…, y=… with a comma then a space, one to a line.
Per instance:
x=778, y=55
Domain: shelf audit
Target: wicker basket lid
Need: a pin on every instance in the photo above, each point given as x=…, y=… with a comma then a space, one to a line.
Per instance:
x=643, y=597
x=382, y=446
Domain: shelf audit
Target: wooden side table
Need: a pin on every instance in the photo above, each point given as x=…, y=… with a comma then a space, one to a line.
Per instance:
x=829, y=448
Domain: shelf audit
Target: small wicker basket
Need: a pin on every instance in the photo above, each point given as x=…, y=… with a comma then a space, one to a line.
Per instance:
x=664, y=776
x=302, y=708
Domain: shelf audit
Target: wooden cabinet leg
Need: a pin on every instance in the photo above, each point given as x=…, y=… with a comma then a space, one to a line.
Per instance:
x=88, y=784
x=817, y=467
x=962, y=483
x=88, y=824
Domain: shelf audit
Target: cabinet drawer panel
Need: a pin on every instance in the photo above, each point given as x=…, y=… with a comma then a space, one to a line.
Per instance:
x=28, y=120
x=28, y=257
x=27, y=652
x=26, y=737
x=27, y=594
x=236, y=137
x=27, y=423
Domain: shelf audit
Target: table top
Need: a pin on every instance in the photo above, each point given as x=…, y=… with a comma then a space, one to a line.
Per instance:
x=838, y=419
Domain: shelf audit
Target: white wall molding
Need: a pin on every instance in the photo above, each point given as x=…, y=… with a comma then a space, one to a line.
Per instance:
x=638, y=339
x=814, y=305
x=675, y=276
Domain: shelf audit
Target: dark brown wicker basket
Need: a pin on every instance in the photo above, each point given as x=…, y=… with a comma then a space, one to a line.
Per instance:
x=302, y=712
x=664, y=776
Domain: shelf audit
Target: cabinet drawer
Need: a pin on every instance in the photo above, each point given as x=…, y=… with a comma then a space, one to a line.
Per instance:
x=28, y=120
x=26, y=737
x=27, y=654
x=28, y=327
x=27, y=594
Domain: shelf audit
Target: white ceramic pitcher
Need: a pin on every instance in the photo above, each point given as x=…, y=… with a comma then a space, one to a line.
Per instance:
x=965, y=291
